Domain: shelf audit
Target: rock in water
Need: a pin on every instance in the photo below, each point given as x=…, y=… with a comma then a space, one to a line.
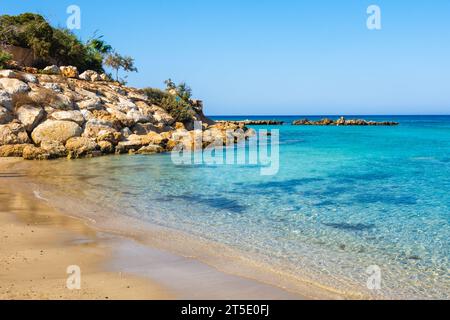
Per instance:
x=56, y=131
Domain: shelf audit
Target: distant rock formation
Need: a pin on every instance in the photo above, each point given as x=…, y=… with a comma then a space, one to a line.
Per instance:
x=343, y=122
x=256, y=122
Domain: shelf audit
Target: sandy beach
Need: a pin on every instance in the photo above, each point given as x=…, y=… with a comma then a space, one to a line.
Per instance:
x=38, y=243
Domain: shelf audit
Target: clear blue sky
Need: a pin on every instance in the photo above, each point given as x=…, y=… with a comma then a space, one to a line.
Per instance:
x=278, y=57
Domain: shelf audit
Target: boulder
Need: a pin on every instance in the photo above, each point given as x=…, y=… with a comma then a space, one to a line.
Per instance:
x=53, y=86
x=52, y=70
x=13, y=133
x=104, y=77
x=90, y=104
x=30, y=116
x=144, y=128
x=72, y=115
x=55, y=131
x=5, y=115
x=80, y=146
x=27, y=77
x=133, y=142
x=90, y=75
x=160, y=115
x=106, y=147
x=341, y=121
x=136, y=116
x=150, y=149
x=7, y=74
x=54, y=149
x=13, y=86
x=126, y=132
x=94, y=127
x=13, y=150
x=69, y=71
x=6, y=100
x=31, y=152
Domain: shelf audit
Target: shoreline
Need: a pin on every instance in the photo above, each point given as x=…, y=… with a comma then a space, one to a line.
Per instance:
x=39, y=244
x=112, y=261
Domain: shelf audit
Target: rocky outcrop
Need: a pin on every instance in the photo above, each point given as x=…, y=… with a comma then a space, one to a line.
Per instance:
x=256, y=122
x=343, y=122
x=56, y=113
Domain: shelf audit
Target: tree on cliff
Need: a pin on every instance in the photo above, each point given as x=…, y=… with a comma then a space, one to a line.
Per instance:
x=116, y=62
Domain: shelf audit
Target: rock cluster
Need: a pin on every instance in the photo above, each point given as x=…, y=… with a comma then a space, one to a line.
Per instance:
x=59, y=113
x=342, y=122
x=256, y=122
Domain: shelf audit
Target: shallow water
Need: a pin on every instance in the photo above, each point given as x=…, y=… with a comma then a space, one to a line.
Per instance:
x=345, y=198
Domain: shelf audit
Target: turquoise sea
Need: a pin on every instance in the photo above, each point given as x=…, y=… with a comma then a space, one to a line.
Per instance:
x=344, y=199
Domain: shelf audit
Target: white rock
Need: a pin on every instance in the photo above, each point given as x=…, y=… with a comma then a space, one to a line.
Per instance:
x=7, y=74
x=53, y=86
x=6, y=100
x=14, y=86
x=90, y=104
x=126, y=132
x=30, y=116
x=90, y=75
x=29, y=78
x=72, y=115
x=137, y=117
x=55, y=131
x=52, y=70
x=5, y=115
x=87, y=115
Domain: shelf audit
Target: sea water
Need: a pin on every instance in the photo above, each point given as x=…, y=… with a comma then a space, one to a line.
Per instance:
x=345, y=199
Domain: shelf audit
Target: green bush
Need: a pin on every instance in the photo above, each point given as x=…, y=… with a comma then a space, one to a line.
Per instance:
x=155, y=96
x=179, y=109
x=4, y=58
x=32, y=31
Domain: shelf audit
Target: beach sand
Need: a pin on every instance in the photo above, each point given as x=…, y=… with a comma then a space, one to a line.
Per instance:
x=38, y=243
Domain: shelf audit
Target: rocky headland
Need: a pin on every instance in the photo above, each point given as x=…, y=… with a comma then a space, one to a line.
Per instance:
x=342, y=122
x=55, y=112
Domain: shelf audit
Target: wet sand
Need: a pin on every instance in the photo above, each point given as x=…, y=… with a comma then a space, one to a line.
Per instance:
x=39, y=242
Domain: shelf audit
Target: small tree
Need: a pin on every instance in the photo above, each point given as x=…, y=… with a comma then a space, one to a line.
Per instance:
x=117, y=62
x=5, y=57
